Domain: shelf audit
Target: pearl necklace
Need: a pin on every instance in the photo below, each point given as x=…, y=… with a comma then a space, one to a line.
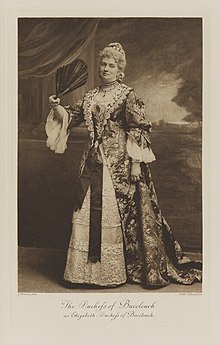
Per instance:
x=105, y=88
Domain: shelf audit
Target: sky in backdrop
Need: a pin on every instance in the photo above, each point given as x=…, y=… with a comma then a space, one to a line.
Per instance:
x=163, y=61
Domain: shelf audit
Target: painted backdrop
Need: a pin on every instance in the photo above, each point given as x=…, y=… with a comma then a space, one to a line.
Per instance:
x=164, y=58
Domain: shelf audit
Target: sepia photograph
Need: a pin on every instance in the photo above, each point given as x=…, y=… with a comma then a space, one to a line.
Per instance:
x=110, y=170
x=110, y=132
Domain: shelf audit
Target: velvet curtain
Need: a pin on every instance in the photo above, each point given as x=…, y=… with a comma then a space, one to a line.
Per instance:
x=45, y=44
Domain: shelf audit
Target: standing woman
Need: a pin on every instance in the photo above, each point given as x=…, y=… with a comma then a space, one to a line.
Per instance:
x=118, y=232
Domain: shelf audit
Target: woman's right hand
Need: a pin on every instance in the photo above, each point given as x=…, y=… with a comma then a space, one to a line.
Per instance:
x=135, y=172
x=53, y=101
x=59, y=111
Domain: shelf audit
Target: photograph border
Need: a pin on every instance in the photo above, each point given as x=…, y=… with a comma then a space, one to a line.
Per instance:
x=34, y=317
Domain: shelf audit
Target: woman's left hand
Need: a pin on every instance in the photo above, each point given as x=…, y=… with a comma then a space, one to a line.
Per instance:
x=135, y=171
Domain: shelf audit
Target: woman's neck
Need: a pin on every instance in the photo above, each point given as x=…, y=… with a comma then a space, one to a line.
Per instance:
x=109, y=84
x=108, y=88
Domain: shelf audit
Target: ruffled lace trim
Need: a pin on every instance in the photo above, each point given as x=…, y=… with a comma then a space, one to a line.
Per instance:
x=117, y=100
x=139, y=154
x=57, y=133
x=87, y=111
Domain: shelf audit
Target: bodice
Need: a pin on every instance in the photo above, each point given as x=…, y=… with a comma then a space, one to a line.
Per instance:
x=98, y=113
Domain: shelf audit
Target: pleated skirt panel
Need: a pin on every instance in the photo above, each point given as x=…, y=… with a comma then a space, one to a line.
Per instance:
x=111, y=270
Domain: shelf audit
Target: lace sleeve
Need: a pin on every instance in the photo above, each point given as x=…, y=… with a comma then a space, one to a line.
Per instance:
x=58, y=131
x=139, y=153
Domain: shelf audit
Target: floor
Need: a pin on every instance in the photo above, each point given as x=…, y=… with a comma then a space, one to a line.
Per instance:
x=40, y=271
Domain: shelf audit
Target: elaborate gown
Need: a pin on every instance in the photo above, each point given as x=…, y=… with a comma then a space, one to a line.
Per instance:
x=118, y=231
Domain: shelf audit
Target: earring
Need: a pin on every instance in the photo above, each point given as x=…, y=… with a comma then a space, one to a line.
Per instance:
x=120, y=77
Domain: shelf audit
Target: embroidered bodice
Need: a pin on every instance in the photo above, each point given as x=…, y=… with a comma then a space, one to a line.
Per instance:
x=98, y=114
x=117, y=119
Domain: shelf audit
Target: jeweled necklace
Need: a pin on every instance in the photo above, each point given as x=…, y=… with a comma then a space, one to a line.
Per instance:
x=105, y=88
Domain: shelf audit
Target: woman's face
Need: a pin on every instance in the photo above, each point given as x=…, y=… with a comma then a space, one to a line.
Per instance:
x=108, y=70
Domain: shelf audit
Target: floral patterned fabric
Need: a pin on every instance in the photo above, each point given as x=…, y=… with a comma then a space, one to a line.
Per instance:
x=152, y=255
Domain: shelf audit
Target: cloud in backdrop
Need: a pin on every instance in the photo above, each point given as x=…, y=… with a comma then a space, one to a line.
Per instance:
x=164, y=57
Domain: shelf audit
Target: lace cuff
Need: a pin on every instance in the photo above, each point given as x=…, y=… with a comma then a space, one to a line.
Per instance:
x=139, y=153
x=57, y=131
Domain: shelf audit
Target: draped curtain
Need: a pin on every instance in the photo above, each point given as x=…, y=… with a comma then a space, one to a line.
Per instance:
x=45, y=44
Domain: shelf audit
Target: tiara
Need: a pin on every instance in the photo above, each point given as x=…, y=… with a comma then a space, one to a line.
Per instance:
x=117, y=46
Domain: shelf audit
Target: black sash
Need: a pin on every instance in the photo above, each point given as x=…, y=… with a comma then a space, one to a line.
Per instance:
x=92, y=176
